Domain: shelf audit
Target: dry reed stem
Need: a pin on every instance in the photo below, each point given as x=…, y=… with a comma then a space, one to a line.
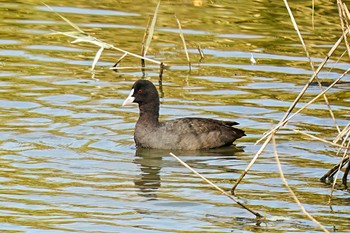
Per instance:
x=183, y=42
x=126, y=68
x=313, y=15
x=65, y=19
x=337, y=61
x=281, y=123
x=295, y=25
x=257, y=215
x=331, y=51
x=342, y=133
x=148, y=36
x=289, y=188
x=136, y=55
x=346, y=12
x=276, y=128
x=80, y=36
x=285, y=119
x=343, y=22
x=313, y=69
x=96, y=58
x=145, y=36
x=262, y=148
x=151, y=30
x=319, y=139
x=92, y=40
x=143, y=63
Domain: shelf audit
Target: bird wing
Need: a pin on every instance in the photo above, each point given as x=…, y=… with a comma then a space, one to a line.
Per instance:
x=200, y=132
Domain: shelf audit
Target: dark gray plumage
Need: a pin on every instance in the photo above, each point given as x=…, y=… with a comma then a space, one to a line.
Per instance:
x=179, y=134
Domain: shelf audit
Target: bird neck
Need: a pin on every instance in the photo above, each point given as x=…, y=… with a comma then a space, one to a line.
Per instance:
x=149, y=113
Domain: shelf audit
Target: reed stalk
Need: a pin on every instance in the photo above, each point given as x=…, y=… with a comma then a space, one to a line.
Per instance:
x=80, y=36
x=288, y=115
x=183, y=42
x=312, y=67
x=257, y=215
x=319, y=139
x=297, y=201
x=268, y=136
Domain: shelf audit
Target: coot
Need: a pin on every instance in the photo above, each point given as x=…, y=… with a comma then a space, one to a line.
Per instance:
x=180, y=134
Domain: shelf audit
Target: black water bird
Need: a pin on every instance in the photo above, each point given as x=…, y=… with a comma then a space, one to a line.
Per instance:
x=179, y=134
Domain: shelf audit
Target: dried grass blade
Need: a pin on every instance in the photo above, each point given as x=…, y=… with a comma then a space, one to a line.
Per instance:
x=183, y=41
x=313, y=15
x=317, y=138
x=143, y=63
x=347, y=13
x=92, y=40
x=343, y=22
x=256, y=156
x=216, y=187
x=125, y=68
x=342, y=133
x=331, y=51
x=81, y=36
x=65, y=19
x=136, y=55
x=145, y=37
x=151, y=30
x=313, y=69
x=289, y=188
x=281, y=123
x=97, y=57
x=86, y=38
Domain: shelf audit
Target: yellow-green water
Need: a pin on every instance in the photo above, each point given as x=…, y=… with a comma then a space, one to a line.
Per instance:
x=68, y=161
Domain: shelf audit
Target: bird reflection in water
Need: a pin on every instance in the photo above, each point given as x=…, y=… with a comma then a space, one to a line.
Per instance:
x=150, y=162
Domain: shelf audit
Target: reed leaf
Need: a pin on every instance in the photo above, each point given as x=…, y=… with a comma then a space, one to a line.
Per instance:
x=81, y=36
x=183, y=40
x=151, y=30
x=97, y=57
x=65, y=19
x=342, y=133
x=315, y=76
x=282, y=122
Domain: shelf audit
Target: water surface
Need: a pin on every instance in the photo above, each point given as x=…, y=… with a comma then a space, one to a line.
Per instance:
x=69, y=163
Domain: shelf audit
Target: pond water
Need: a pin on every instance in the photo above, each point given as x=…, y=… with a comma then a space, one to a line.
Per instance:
x=68, y=160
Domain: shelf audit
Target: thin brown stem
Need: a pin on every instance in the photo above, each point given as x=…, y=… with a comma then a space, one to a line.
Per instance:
x=257, y=215
x=302, y=208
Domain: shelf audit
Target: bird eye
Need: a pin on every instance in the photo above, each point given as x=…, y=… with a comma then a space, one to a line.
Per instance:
x=139, y=91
